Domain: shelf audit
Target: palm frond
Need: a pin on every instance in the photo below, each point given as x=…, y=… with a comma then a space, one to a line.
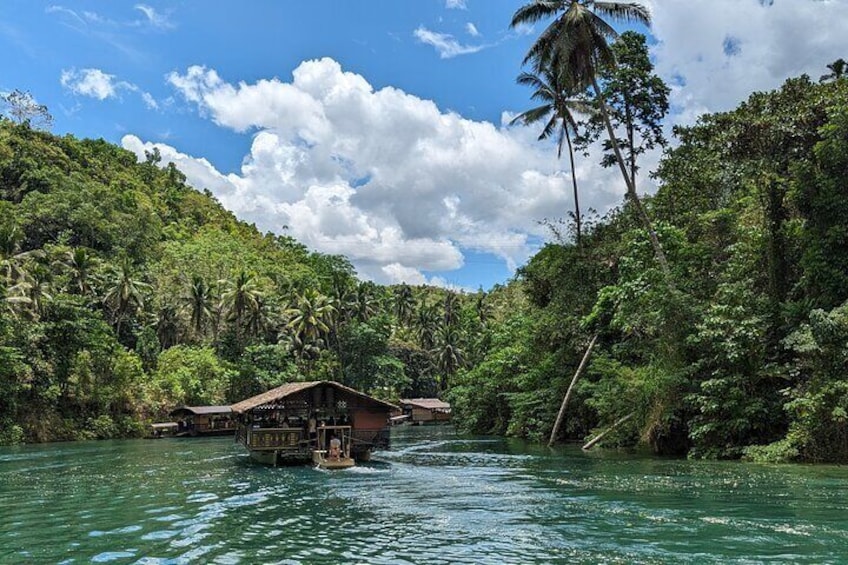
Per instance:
x=531, y=80
x=533, y=115
x=541, y=51
x=624, y=12
x=602, y=28
x=549, y=128
x=535, y=11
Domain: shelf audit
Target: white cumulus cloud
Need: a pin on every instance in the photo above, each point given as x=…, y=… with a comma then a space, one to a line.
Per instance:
x=715, y=54
x=384, y=177
x=90, y=82
x=94, y=83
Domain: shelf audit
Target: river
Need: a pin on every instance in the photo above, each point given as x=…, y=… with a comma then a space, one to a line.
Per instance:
x=434, y=498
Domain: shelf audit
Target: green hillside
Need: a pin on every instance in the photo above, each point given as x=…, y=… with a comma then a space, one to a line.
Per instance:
x=125, y=292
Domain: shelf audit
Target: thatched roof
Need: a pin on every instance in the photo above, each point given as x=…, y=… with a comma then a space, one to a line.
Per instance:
x=200, y=410
x=288, y=389
x=427, y=403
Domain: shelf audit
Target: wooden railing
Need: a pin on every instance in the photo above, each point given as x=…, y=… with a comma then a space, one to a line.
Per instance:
x=218, y=426
x=283, y=439
x=296, y=439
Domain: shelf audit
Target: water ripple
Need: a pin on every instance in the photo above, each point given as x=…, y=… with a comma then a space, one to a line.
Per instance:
x=434, y=498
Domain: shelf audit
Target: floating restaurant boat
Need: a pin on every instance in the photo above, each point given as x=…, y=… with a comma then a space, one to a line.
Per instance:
x=204, y=420
x=323, y=422
x=426, y=410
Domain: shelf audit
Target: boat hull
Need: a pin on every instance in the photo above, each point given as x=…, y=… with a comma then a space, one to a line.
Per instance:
x=331, y=463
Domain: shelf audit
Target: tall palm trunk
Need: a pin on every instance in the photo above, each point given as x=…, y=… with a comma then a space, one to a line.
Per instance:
x=631, y=186
x=574, y=184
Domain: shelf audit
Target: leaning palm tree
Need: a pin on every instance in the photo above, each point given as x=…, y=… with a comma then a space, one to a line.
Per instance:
x=553, y=90
x=577, y=43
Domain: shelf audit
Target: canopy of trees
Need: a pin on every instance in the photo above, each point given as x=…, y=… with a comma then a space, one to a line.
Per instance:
x=741, y=350
x=124, y=292
x=723, y=333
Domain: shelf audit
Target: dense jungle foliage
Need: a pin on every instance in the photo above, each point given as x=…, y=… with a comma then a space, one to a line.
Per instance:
x=124, y=292
x=743, y=350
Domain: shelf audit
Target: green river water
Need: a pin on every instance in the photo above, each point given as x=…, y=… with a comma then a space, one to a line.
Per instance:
x=434, y=498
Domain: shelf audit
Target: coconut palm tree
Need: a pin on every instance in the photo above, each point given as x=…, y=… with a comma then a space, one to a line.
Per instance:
x=576, y=43
x=426, y=324
x=311, y=317
x=15, y=299
x=838, y=69
x=167, y=326
x=451, y=307
x=404, y=304
x=552, y=89
x=240, y=297
x=199, y=301
x=449, y=355
x=12, y=259
x=125, y=295
x=343, y=299
x=257, y=320
x=80, y=264
x=483, y=308
x=39, y=290
x=367, y=303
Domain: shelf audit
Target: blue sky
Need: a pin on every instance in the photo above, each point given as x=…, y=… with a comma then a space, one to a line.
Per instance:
x=373, y=128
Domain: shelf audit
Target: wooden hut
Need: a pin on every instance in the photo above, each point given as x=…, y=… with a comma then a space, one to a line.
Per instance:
x=287, y=424
x=426, y=410
x=204, y=420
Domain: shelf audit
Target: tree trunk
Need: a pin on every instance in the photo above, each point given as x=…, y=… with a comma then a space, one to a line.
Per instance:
x=574, y=183
x=631, y=187
x=591, y=443
x=577, y=374
x=628, y=116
